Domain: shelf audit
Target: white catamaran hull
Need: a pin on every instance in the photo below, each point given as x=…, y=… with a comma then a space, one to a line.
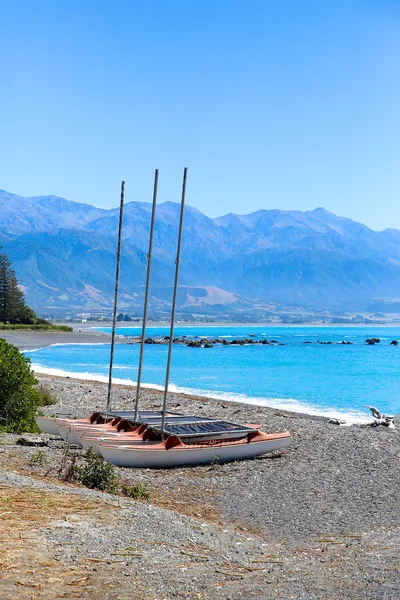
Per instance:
x=51, y=424
x=109, y=439
x=152, y=458
x=47, y=425
x=69, y=434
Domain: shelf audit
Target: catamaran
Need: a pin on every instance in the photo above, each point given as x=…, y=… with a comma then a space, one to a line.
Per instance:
x=161, y=439
x=174, y=452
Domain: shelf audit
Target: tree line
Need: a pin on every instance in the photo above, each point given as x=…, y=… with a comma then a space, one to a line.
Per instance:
x=13, y=308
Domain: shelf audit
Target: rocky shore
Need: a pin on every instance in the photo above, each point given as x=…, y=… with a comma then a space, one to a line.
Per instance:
x=28, y=340
x=319, y=521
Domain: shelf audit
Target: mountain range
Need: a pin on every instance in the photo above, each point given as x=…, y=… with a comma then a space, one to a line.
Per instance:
x=64, y=255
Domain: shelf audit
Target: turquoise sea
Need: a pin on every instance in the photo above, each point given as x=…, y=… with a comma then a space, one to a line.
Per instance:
x=329, y=379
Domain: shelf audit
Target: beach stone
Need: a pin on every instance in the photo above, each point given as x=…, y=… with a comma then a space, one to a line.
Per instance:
x=31, y=440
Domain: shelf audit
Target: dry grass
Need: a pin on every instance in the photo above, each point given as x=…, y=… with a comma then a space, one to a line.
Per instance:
x=189, y=499
x=27, y=568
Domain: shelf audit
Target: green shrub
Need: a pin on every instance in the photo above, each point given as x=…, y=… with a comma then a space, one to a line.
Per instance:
x=45, y=396
x=38, y=458
x=34, y=327
x=137, y=491
x=96, y=473
x=19, y=398
x=216, y=459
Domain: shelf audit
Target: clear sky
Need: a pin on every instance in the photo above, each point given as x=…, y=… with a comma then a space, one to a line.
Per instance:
x=290, y=104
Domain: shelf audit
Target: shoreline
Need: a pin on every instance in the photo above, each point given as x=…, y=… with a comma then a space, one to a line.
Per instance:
x=31, y=341
x=281, y=404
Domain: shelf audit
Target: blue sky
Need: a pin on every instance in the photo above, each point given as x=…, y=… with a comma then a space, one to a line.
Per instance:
x=289, y=104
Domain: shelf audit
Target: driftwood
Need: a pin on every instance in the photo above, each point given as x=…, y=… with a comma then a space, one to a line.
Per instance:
x=380, y=419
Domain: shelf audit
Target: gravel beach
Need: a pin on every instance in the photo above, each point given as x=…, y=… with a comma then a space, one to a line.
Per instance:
x=28, y=340
x=320, y=520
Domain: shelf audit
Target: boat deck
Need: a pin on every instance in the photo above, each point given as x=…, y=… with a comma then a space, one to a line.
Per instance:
x=199, y=428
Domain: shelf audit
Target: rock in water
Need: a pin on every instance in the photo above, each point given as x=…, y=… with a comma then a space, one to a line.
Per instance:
x=372, y=341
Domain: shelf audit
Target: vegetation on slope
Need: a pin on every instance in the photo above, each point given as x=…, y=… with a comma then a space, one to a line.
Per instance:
x=14, y=313
x=20, y=395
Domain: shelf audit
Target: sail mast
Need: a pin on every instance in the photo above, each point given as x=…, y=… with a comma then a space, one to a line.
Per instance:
x=171, y=333
x=121, y=212
x=146, y=295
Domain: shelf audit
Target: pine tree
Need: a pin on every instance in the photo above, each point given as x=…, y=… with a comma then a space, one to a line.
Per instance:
x=13, y=308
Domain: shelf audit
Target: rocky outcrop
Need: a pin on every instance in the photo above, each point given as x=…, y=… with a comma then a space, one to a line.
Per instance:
x=372, y=341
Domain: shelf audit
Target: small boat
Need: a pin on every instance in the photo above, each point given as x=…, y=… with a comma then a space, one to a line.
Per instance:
x=50, y=424
x=78, y=433
x=151, y=439
x=71, y=429
x=125, y=433
x=173, y=452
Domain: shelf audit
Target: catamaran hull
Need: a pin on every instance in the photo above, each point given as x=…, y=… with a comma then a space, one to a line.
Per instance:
x=47, y=425
x=69, y=434
x=141, y=457
x=51, y=424
x=115, y=440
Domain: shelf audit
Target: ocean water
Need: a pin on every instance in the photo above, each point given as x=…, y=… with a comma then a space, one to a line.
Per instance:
x=325, y=379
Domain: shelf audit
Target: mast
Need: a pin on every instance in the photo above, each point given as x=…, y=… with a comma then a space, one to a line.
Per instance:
x=121, y=212
x=146, y=295
x=171, y=333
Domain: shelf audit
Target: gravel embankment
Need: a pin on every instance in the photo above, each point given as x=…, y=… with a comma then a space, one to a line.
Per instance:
x=320, y=521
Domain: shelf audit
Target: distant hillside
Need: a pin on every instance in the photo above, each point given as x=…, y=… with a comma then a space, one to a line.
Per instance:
x=64, y=255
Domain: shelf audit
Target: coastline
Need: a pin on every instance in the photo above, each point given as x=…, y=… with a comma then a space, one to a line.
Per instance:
x=309, y=522
x=31, y=341
x=85, y=334
x=289, y=406
x=160, y=324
